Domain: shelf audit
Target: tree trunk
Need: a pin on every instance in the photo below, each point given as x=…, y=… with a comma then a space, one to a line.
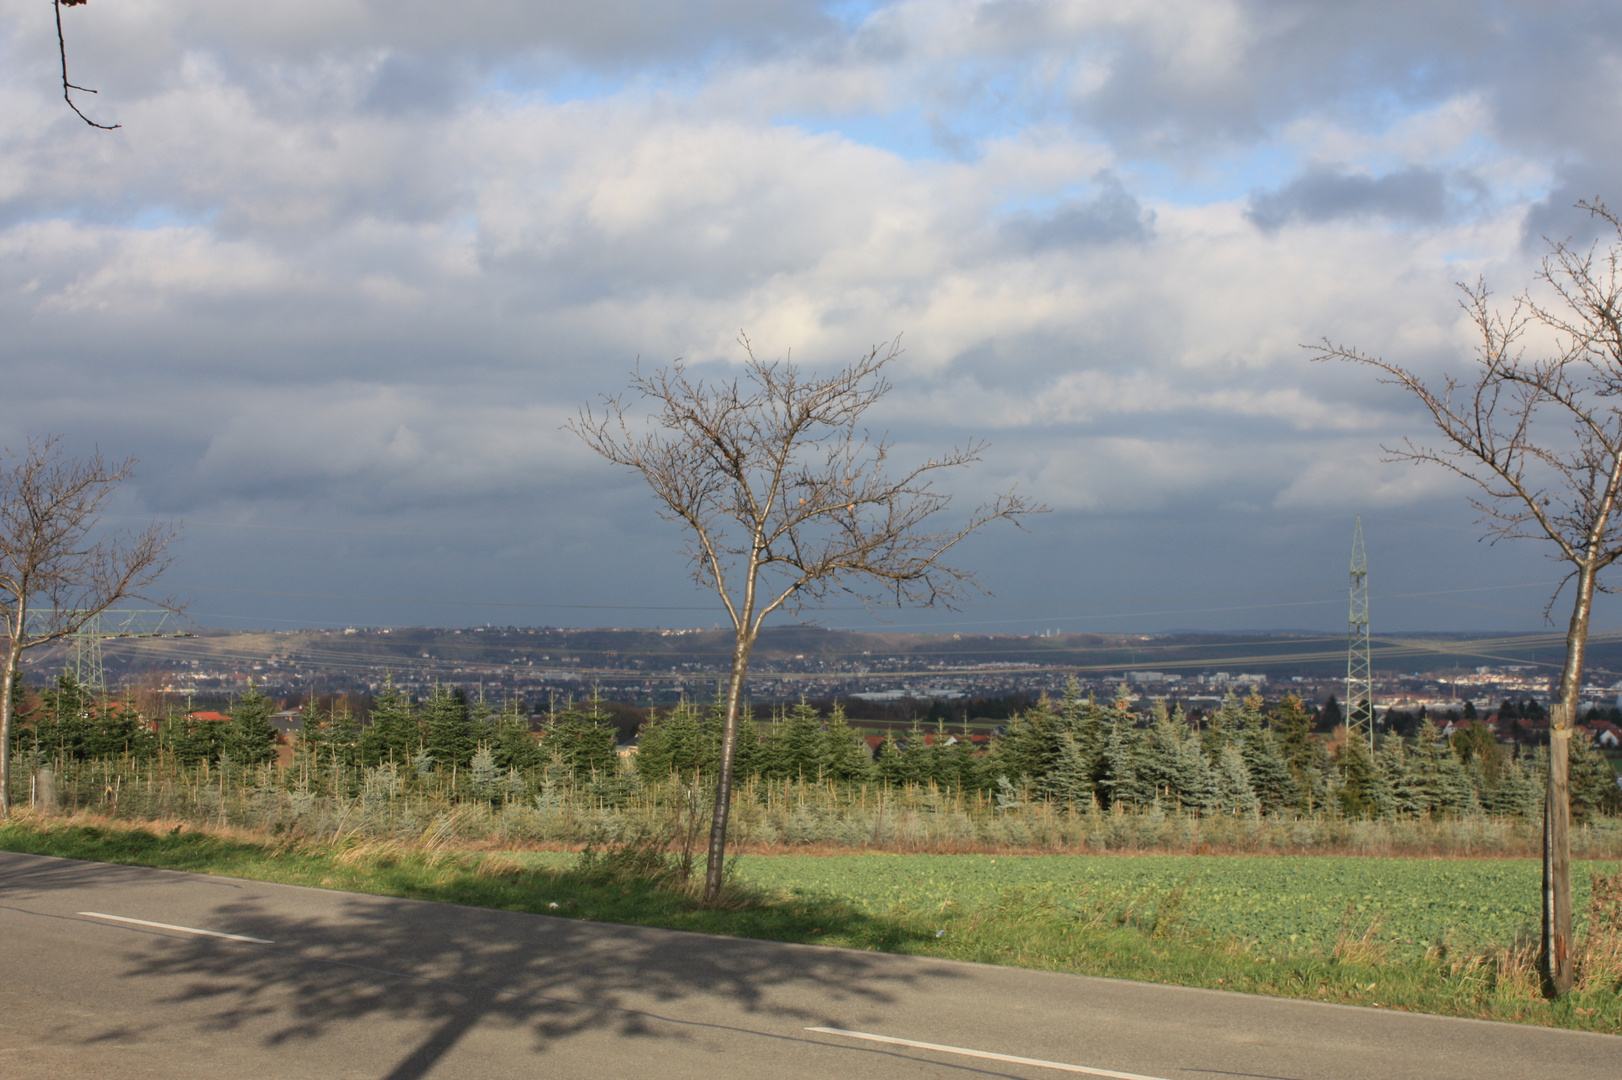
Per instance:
x=715, y=865
x=7, y=681
x=1555, y=955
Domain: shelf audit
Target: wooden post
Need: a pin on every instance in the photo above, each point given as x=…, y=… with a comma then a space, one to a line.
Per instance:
x=1556, y=953
x=45, y=792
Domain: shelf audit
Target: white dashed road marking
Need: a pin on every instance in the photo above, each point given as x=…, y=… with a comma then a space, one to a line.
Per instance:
x=179, y=929
x=1062, y=1066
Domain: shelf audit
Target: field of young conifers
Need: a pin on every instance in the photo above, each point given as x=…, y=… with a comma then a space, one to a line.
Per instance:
x=1068, y=774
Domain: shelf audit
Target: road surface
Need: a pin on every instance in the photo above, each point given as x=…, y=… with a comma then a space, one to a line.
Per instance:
x=114, y=972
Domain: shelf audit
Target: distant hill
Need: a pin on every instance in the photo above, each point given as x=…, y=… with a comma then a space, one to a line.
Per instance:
x=457, y=654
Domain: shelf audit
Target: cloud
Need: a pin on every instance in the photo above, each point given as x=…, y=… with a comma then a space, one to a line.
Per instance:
x=352, y=266
x=1416, y=195
x=1111, y=216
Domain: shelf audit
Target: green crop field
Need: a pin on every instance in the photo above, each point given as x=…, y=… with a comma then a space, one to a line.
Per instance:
x=1279, y=902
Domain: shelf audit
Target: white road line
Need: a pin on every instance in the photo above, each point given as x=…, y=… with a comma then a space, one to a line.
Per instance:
x=181, y=929
x=966, y=1052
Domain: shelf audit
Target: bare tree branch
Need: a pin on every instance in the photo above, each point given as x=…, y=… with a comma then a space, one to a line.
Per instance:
x=786, y=499
x=62, y=47
x=55, y=575
x=1541, y=439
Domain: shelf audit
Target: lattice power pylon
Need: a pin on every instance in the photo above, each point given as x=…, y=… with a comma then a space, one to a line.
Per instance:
x=1359, y=668
x=85, y=644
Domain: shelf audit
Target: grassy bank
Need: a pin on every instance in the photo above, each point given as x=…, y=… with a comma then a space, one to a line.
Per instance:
x=1158, y=919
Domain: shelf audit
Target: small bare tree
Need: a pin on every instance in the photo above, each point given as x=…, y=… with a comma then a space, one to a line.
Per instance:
x=54, y=577
x=1541, y=438
x=786, y=500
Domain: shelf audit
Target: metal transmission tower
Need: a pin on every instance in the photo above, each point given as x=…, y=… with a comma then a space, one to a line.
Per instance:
x=1359, y=672
x=85, y=649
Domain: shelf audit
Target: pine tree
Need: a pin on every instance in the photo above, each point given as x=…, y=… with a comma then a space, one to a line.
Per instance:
x=484, y=776
x=1222, y=727
x=1329, y=716
x=1518, y=791
x=582, y=741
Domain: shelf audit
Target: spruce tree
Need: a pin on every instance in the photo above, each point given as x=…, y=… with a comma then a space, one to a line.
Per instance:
x=1120, y=783
x=1069, y=780
x=1270, y=776
x=393, y=733
x=252, y=738
x=448, y=728
x=1594, y=788
x=513, y=745
x=845, y=754
x=889, y=766
x=1395, y=772
x=1358, y=779
x=794, y=745
x=1197, y=787
x=1234, y=793
x=1160, y=760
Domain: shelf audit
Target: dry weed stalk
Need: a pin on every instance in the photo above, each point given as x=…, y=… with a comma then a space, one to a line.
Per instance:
x=1365, y=947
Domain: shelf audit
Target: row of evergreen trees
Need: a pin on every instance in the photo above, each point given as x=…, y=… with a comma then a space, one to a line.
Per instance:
x=1242, y=758
x=69, y=724
x=448, y=734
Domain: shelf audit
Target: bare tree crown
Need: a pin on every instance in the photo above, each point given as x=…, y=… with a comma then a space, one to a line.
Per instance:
x=50, y=564
x=772, y=472
x=1539, y=436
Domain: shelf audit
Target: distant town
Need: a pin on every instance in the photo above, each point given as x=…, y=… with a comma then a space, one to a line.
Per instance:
x=882, y=676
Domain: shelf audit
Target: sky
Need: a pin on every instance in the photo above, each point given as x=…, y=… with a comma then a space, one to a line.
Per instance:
x=346, y=270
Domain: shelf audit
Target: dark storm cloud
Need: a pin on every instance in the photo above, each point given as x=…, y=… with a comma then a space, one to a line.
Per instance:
x=1415, y=195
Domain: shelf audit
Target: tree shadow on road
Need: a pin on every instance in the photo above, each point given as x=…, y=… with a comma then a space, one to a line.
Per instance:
x=340, y=960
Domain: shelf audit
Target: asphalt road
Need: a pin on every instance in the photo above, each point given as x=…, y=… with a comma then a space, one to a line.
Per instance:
x=341, y=985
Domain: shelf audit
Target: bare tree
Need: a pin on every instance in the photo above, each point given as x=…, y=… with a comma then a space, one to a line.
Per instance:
x=1541, y=438
x=787, y=500
x=62, y=48
x=54, y=577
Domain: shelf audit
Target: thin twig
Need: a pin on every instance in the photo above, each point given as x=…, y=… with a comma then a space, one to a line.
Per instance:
x=62, y=47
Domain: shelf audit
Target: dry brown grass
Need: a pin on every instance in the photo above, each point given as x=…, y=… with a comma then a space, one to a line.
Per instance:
x=499, y=867
x=1599, y=955
x=1365, y=946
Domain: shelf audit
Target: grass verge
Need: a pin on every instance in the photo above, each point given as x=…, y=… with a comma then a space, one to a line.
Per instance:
x=1147, y=939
